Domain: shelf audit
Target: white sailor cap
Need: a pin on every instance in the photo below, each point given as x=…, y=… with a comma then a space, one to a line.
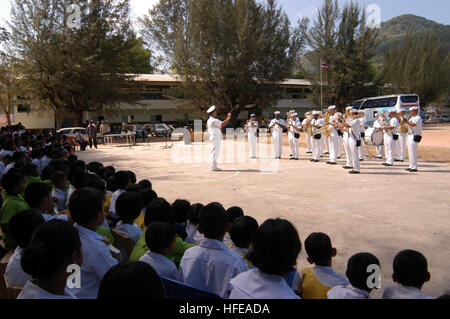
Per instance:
x=402, y=111
x=354, y=111
x=252, y=115
x=292, y=111
x=361, y=112
x=308, y=113
x=339, y=113
x=294, y=114
x=211, y=109
x=349, y=108
x=392, y=111
x=414, y=109
x=333, y=107
x=277, y=113
x=315, y=113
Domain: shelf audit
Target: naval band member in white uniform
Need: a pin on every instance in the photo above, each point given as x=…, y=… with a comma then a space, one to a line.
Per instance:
x=215, y=127
x=252, y=128
x=294, y=127
x=389, y=142
x=277, y=125
x=414, y=138
x=334, y=137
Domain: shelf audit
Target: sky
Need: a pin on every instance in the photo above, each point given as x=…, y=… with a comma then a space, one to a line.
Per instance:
x=436, y=10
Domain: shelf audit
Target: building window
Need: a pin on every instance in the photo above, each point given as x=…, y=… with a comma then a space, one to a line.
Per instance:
x=23, y=108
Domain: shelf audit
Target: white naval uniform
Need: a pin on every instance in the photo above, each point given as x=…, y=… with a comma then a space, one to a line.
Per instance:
x=389, y=142
x=362, y=121
x=412, y=146
x=215, y=137
x=334, y=140
x=308, y=137
x=380, y=148
x=317, y=142
x=404, y=292
x=277, y=136
x=347, y=147
x=354, y=136
x=293, y=142
x=252, y=128
x=401, y=145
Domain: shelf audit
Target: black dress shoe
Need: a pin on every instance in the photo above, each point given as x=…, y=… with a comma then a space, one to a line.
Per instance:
x=388, y=165
x=327, y=153
x=338, y=157
x=354, y=172
x=333, y=163
x=407, y=169
x=347, y=167
x=316, y=161
x=312, y=160
x=413, y=170
x=328, y=162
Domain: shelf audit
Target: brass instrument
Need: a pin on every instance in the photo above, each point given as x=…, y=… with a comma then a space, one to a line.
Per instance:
x=326, y=127
x=308, y=125
x=383, y=121
x=404, y=127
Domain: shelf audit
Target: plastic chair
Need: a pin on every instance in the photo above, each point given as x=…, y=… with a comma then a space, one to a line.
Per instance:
x=177, y=290
x=123, y=243
x=4, y=293
x=13, y=291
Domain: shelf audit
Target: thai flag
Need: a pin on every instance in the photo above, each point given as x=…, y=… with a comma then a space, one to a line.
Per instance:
x=323, y=65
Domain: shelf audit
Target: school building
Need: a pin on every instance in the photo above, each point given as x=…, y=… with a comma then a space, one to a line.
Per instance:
x=155, y=106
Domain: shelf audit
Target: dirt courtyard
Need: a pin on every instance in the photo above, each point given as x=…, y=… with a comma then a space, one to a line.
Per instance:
x=382, y=211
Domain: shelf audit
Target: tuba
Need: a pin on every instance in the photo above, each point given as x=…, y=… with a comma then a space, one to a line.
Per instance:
x=326, y=127
x=404, y=127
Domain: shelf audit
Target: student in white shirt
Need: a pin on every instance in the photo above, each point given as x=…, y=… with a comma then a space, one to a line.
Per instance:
x=410, y=272
x=233, y=213
x=48, y=154
x=242, y=232
x=211, y=265
x=39, y=196
x=318, y=280
x=131, y=281
x=128, y=208
x=21, y=228
x=358, y=276
x=54, y=246
x=181, y=208
x=36, y=156
x=122, y=180
x=160, y=239
x=86, y=208
x=193, y=235
x=274, y=253
x=59, y=181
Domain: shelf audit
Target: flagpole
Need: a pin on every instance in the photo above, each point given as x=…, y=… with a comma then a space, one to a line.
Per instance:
x=321, y=83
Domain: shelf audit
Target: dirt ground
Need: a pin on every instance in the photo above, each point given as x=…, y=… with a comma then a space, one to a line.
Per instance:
x=382, y=211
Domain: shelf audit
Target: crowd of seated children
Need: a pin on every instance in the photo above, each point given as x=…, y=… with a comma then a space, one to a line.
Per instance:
x=128, y=208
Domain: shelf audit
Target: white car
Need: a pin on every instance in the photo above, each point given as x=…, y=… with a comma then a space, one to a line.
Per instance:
x=71, y=131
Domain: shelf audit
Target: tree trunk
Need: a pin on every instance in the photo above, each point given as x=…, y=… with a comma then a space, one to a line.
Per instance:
x=78, y=118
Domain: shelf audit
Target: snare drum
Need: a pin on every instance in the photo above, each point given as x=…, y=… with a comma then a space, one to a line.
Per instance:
x=374, y=136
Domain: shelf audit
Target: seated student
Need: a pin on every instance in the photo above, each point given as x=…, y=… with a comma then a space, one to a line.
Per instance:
x=21, y=227
x=133, y=179
x=13, y=183
x=75, y=175
x=410, y=272
x=145, y=184
x=36, y=155
x=3, y=163
x=131, y=281
x=193, y=235
x=357, y=275
x=242, y=232
x=274, y=253
x=128, y=207
x=122, y=180
x=18, y=157
x=148, y=196
x=317, y=281
x=39, y=196
x=59, y=181
x=86, y=208
x=181, y=209
x=31, y=173
x=160, y=238
x=48, y=156
x=54, y=246
x=160, y=210
x=233, y=213
x=211, y=265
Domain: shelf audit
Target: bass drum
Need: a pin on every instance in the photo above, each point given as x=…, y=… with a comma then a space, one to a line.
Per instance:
x=374, y=136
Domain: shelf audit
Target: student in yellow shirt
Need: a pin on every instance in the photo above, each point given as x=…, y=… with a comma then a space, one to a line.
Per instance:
x=318, y=280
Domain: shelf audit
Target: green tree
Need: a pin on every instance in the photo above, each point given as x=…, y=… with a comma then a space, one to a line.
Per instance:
x=227, y=53
x=419, y=65
x=73, y=69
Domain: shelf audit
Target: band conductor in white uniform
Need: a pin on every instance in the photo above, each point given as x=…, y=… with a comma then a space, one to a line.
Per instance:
x=215, y=127
x=252, y=128
x=414, y=138
x=334, y=136
x=294, y=127
x=276, y=126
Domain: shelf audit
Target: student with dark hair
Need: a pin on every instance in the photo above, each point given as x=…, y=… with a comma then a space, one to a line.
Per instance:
x=54, y=246
x=160, y=210
x=357, y=274
x=18, y=157
x=145, y=184
x=211, y=265
x=181, y=209
x=318, y=280
x=242, y=232
x=39, y=196
x=133, y=179
x=13, y=183
x=410, y=272
x=148, y=196
x=75, y=176
x=233, y=213
x=128, y=207
x=48, y=156
x=36, y=156
x=122, y=180
x=72, y=158
x=21, y=227
x=59, y=181
x=193, y=235
x=86, y=208
x=274, y=253
x=160, y=238
x=131, y=281
x=31, y=173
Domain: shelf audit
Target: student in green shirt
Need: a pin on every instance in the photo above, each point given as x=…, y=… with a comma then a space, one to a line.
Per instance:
x=160, y=210
x=13, y=183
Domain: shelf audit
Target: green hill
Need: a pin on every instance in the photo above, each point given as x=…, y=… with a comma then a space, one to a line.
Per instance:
x=393, y=31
